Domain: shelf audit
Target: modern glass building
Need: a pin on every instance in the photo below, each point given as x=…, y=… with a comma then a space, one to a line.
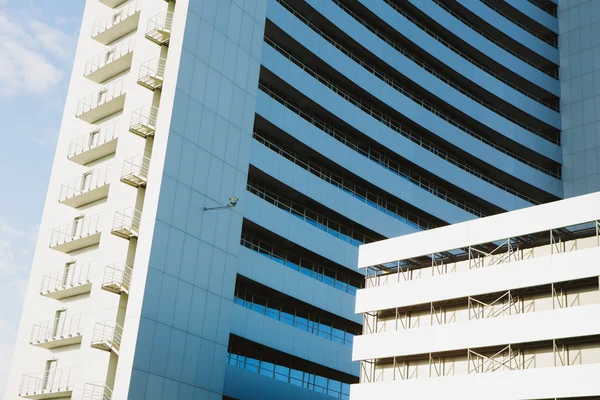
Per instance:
x=333, y=123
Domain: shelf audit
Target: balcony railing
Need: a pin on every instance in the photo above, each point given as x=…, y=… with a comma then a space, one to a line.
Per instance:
x=49, y=384
x=57, y=332
x=152, y=73
x=86, y=188
x=109, y=62
x=159, y=28
x=96, y=391
x=71, y=280
x=117, y=278
x=135, y=171
x=117, y=23
x=126, y=223
x=143, y=121
x=102, y=103
x=94, y=145
x=107, y=336
x=81, y=232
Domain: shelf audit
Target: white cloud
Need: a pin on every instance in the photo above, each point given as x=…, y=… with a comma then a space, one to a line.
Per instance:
x=34, y=55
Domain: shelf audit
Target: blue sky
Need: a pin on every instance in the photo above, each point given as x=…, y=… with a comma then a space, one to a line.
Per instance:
x=37, y=45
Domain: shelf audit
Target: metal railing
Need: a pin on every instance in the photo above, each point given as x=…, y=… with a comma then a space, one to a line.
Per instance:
x=96, y=99
x=55, y=329
x=127, y=219
x=107, y=56
x=77, y=229
x=457, y=51
x=117, y=273
x=145, y=116
x=409, y=134
x=553, y=43
x=315, y=219
x=360, y=103
x=96, y=391
x=86, y=182
x=137, y=166
x=54, y=380
x=103, y=134
x=108, y=333
x=445, y=78
x=154, y=68
x=113, y=18
x=71, y=275
x=158, y=24
x=359, y=193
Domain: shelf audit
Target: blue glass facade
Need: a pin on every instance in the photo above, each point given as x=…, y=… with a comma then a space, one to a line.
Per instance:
x=336, y=123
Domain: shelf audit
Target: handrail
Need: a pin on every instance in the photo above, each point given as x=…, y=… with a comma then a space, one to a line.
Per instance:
x=117, y=273
x=330, y=129
x=54, y=380
x=348, y=187
x=128, y=218
x=108, y=331
x=55, y=329
x=136, y=166
x=78, y=228
x=107, y=56
x=96, y=391
x=145, y=115
x=102, y=134
x=428, y=106
x=153, y=68
x=553, y=43
x=114, y=17
x=317, y=220
x=86, y=182
x=303, y=265
x=160, y=21
x=102, y=96
x=70, y=275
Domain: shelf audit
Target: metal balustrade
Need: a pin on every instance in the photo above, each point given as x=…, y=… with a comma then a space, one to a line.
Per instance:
x=159, y=28
x=56, y=381
x=96, y=391
x=107, y=336
x=70, y=280
x=135, y=171
x=86, y=188
x=152, y=73
x=61, y=331
x=109, y=62
x=349, y=187
x=143, y=121
x=102, y=103
x=126, y=223
x=315, y=219
x=360, y=103
x=81, y=232
x=409, y=134
x=95, y=144
x=117, y=278
x=553, y=43
x=117, y=23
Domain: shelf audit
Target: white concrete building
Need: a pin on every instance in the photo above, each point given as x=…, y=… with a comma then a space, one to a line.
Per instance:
x=503, y=307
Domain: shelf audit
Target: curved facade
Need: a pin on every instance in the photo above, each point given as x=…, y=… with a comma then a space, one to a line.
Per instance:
x=334, y=122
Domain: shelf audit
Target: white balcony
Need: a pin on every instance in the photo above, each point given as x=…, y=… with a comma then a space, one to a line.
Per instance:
x=135, y=171
x=49, y=384
x=102, y=103
x=109, y=62
x=80, y=233
x=112, y=3
x=152, y=73
x=57, y=332
x=143, y=121
x=107, y=336
x=89, y=187
x=117, y=24
x=96, y=391
x=126, y=223
x=94, y=145
x=117, y=278
x=71, y=280
x=159, y=28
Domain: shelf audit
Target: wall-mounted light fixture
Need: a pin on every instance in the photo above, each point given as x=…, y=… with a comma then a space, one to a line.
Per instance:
x=232, y=202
